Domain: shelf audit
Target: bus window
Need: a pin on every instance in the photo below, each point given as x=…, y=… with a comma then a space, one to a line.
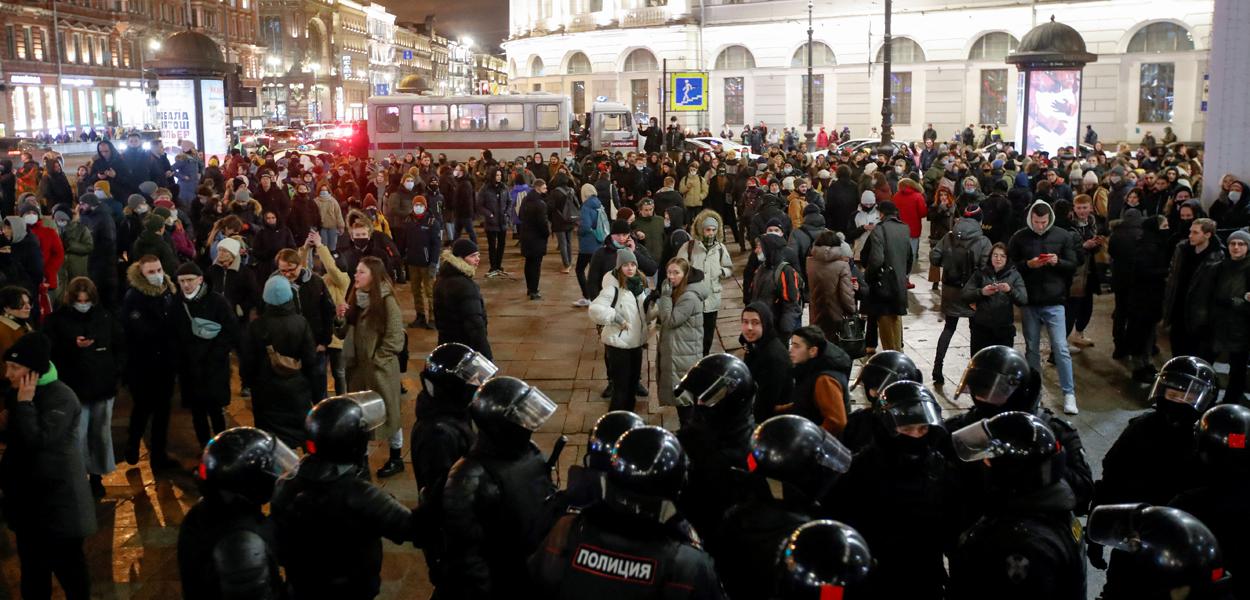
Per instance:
x=506, y=117
x=388, y=119
x=614, y=122
x=548, y=116
x=468, y=117
x=426, y=117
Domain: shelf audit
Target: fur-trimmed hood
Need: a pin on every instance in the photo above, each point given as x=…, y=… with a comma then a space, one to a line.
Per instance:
x=251, y=203
x=137, y=281
x=457, y=263
x=696, y=226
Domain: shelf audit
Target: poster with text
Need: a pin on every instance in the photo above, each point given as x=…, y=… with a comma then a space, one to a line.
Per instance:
x=175, y=111
x=213, y=93
x=1054, y=110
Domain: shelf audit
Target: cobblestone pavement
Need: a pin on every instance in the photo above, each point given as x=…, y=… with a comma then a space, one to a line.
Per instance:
x=554, y=346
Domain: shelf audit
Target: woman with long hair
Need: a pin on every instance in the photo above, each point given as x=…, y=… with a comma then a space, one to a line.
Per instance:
x=679, y=309
x=371, y=325
x=618, y=311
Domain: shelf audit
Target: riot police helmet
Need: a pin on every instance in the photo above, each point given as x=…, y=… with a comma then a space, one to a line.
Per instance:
x=997, y=379
x=907, y=407
x=884, y=368
x=647, y=473
x=1021, y=449
x=247, y=462
x=1220, y=437
x=454, y=371
x=1167, y=548
x=508, y=410
x=820, y=560
x=798, y=453
x=719, y=383
x=603, y=437
x=338, y=429
x=1185, y=384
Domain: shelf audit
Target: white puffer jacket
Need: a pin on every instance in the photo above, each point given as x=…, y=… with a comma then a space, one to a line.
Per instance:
x=623, y=325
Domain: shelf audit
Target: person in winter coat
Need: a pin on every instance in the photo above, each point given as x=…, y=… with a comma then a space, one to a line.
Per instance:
x=398, y=203
x=267, y=240
x=803, y=236
x=187, y=176
x=459, y=311
x=693, y=188
x=46, y=500
x=234, y=281
x=102, y=262
x=492, y=204
x=420, y=241
x=768, y=360
x=588, y=242
x=776, y=283
x=87, y=343
x=458, y=194
x=889, y=245
x=152, y=241
x=678, y=310
x=330, y=216
x=206, y=330
x=50, y=247
x=829, y=285
x=841, y=202
x=912, y=209
x=1090, y=230
x=54, y=187
x=1230, y=309
x=1046, y=257
x=708, y=254
x=992, y=293
x=278, y=362
x=1140, y=258
x=1186, y=304
x=618, y=311
x=534, y=231
x=563, y=211
x=648, y=227
x=372, y=327
x=23, y=262
x=964, y=251
x=821, y=374
x=604, y=259
x=305, y=215
x=865, y=219
x=151, y=363
x=78, y=244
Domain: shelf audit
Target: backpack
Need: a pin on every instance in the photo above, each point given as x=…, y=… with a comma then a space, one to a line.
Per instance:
x=961, y=263
x=600, y=230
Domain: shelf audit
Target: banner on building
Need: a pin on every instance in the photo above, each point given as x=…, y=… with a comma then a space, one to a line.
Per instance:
x=687, y=91
x=175, y=112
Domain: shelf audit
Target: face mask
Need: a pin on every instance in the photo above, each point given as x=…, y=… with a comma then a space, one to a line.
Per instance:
x=1234, y=196
x=759, y=256
x=361, y=243
x=62, y=224
x=141, y=209
x=30, y=219
x=408, y=185
x=82, y=307
x=418, y=210
x=971, y=189
x=668, y=223
x=457, y=174
x=898, y=169
x=100, y=194
x=640, y=166
x=170, y=221
x=193, y=294
x=787, y=169
x=620, y=163
x=157, y=279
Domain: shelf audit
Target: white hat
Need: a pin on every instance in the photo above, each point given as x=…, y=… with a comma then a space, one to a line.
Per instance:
x=824, y=174
x=787, y=184
x=870, y=168
x=868, y=198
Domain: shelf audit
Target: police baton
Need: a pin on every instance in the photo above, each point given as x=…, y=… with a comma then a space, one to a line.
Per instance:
x=554, y=458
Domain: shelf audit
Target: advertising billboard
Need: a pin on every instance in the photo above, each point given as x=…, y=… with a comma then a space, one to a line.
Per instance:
x=1054, y=114
x=213, y=96
x=175, y=111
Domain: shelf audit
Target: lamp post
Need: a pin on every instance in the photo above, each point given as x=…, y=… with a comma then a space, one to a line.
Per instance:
x=316, y=68
x=886, y=114
x=809, y=134
x=273, y=63
x=154, y=45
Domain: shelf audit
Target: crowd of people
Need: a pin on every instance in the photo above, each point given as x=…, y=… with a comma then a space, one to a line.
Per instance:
x=153, y=274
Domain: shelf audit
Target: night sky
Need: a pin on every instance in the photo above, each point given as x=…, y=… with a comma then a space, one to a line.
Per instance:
x=486, y=21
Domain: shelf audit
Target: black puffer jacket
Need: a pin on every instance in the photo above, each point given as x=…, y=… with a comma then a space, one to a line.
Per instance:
x=1047, y=285
x=92, y=371
x=1139, y=264
x=280, y=401
x=997, y=310
x=1190, y=292
x=204, y=364
x=145, y=319
x=459, y=311
x=770, y=365
x=237, y=286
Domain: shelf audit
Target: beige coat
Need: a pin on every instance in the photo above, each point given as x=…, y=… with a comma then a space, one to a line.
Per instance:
x=335, y=279
x=693, y=189
x=371, y=358
x=716, y=263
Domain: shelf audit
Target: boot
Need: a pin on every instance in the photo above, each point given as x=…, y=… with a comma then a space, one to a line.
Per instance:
x=938, y=380
x=641, y=390
x=132, y=451
x=394, y=465
x=418, y=323
x=607, y=391
x=97, y=486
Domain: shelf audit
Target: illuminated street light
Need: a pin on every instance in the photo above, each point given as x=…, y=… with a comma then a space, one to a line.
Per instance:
x=273, y=61
x=154, y=45
x=467, y=41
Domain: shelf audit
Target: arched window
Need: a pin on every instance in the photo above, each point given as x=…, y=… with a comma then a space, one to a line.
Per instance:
x=578, y=64
x=641, y=60
x=822, y=56
x=903, y=51
x=536, y=67
x=1161, y=37
x=995, y=45
x=735, y=57
x=511, y=68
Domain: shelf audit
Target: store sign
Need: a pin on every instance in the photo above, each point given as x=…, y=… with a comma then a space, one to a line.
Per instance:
x=347, y=66
x=407, y=54
x=381, y=89
x=175, y=111
x=26, y=79
x=213, y=96
x=77, y=81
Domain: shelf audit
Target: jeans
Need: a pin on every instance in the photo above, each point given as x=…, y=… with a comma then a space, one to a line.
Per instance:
x=338, y=370
x=583, y=265
x=564, y=239
x=151, y=401
x=329, y=238
x=451, y=231
x=533, y=270
x=944, y=342
x=396, y=441
x=465, y=225
x=495, y=245
x=95, y=430
x=1052, y=317
x=42, y=556
x=915, y=251
x=624, y=373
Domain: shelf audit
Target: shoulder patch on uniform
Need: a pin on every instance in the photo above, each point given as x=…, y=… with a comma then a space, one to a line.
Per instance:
x=1017, y=568
x=614, y=565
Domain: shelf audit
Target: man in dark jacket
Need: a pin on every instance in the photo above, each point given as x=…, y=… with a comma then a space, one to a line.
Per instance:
x=140, y=166
x=420, y=240
x=46, y=500
x=152, y=241
x=102, y=262
x=1195, y=263
x=841, y=202
x=203, y=351
x=534, y=231
x=1046, y=257
x=282, y=392
x=458, y=194
x=459, y=311
x=24, y=260
x=273, y=198
x=150, y=357
x=776, y=283
x=604, y=259
x=889, y=244
x=768, y=360
x=654, y=137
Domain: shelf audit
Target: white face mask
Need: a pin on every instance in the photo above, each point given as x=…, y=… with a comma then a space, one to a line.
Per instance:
x=82, y=307
x=759, y=256
x=971, y=189
x=408, y=185
x=157, y=279
x=30, y=219
x=173, y=213
x=142, y=208
x=194, y=293
x=170, y=221
x=418, y=210
x=100, y=194
x=1234, y=196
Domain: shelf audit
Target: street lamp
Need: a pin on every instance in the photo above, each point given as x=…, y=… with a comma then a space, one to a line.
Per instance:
x=274, y=62
x=316, y=68
x=809, y=134
x=886, y=114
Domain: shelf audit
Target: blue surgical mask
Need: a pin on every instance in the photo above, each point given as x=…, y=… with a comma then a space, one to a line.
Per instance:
x=82, y=307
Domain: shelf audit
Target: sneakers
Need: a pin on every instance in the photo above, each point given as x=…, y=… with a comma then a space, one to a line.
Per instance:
x=1069, y=404
x=536, y=296
x=394, y=465
x=493, y=274
x=1078, y=340
x=581, y=303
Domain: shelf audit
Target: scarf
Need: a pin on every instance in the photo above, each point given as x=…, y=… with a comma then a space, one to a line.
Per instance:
x=636, y=284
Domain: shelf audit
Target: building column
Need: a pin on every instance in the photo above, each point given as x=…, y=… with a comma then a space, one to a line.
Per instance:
x=1228, y=113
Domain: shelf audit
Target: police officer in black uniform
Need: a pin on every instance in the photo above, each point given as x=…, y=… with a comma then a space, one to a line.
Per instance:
x=630, y=544
x=1163, y=553
x=586, y=481
x=1220, y=501
x=226, y=546
x=442, y=434
x=330, y=519
x=822, y=560
x=999, y=380
x=882, y=369
x=494, y=497
x=1153, y=460
x=720, y=391
x=900, y=493
x=1027, y=546
x=795, y=463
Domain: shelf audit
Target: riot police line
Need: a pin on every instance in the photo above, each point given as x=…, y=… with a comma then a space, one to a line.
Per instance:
x=982, y=505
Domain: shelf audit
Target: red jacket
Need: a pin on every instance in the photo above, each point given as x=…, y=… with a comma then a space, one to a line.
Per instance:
x=911, y=208
x=53, y=251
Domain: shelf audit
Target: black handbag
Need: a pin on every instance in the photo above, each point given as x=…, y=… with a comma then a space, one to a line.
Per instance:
x=850, y=335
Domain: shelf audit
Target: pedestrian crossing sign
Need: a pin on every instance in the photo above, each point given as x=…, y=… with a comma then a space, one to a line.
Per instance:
x=687, y=92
